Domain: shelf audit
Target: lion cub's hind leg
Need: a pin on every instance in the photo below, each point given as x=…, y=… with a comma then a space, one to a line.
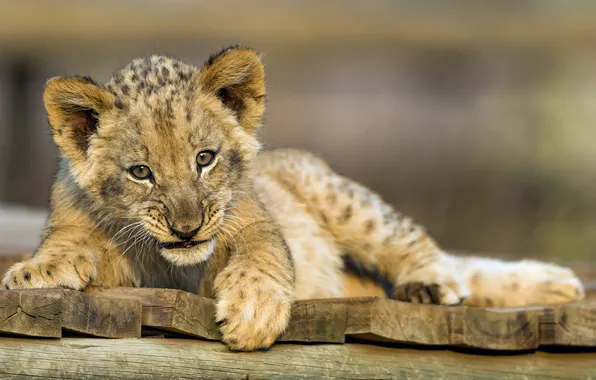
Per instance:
x=496, y=283
x=369, y=233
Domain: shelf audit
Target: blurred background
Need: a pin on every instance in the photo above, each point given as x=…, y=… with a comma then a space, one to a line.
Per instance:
x=477, y=118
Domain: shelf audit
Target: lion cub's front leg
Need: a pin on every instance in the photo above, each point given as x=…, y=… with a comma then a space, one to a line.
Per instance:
x=67, y=258
x=256, y=289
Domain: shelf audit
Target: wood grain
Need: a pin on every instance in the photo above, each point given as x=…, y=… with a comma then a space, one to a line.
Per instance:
x=316, y=322
x=100, y=316
x=184, y=313
x=76, y=358
x=92, y=315
x=496, y=329
x=169, y=310
x=569, y=325
x=122, y=312
x=31, y=314
x=380, y=319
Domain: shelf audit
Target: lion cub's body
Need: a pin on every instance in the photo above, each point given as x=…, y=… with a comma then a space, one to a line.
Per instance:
x=255, y=231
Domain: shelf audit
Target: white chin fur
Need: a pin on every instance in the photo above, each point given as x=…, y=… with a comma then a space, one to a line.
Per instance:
x=188, y=256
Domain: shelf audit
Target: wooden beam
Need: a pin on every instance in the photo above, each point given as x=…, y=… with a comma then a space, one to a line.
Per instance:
x=496, y=329
x=120, y=313
x=569, y=325
x=31, y=314
x=514, y=329
x=49, y=311
x=100, y=316
x=184, y=358
x=169, y=310
x=184, y=313
x=381, y=319
x=312, y=322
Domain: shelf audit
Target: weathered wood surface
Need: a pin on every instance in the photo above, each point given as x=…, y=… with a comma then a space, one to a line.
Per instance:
x=169, y=310
x=189, y=314
x=100, y=316
x=120, y=313
x=385, y=320
x=31, y=314
x=494, y=329
x=381, y=319
x=569, y=325
x=317, y=322
x=47, y=312
x=86, y=358
x=373, y=319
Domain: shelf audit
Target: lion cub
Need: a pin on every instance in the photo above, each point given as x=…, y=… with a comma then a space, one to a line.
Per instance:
x=160, y=185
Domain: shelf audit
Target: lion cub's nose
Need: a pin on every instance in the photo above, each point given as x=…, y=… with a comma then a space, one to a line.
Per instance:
x=184, y=232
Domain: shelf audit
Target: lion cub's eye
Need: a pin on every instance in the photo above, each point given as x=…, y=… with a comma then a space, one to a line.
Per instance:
x=205, y=158
x=140, y=172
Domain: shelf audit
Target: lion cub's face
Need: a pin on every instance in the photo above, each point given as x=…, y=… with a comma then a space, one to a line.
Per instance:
x=163, y=146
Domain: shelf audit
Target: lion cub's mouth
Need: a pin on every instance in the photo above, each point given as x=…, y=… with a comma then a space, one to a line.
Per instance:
x=182, y=244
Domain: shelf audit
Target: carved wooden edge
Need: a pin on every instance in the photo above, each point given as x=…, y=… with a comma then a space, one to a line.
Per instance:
x=512, y=329
x=120, y=313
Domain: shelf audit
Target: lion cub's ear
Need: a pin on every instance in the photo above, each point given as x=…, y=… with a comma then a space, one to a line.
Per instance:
x=74, y=106
x=237, y=77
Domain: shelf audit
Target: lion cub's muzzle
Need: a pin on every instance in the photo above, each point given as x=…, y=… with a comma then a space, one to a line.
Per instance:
x=186, y=234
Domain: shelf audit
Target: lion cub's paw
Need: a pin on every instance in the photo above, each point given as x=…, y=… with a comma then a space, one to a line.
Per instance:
x=419, y=292
x=57, y=271
x=252, y=311
x=435, y=283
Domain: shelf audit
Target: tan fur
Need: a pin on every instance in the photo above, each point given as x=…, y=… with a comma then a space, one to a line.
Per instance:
x=254, y=231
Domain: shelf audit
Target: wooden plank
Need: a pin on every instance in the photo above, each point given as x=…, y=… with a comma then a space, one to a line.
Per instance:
x=120, y=312
x=100, y=316
x=496, y=329
x=31, y=314
x=321, y=322
x=71, y=358
x=170, y=310
x=380, y=319
x=92, y=315
x=569, y=325
x=189, y=314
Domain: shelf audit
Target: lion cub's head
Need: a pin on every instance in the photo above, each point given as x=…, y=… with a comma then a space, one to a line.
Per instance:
x=163, y=144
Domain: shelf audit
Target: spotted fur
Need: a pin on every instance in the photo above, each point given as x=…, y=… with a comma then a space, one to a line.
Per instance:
x=255, y=231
